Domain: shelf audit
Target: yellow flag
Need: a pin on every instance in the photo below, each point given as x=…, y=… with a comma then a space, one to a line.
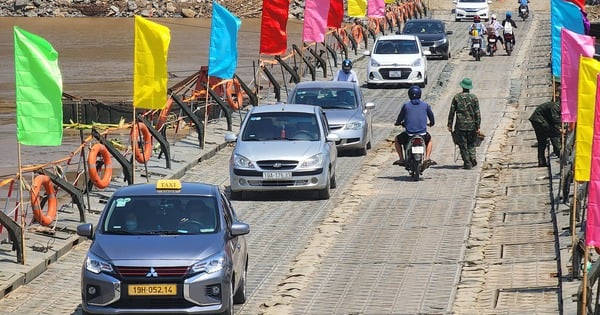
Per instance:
x=357, y=8
x=589, y=68
x=150, y=64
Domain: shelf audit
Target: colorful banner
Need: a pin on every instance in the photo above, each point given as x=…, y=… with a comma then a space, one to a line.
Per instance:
x=579, y=3
x=589, y=68
x=357, y=8
x=592, y=228
x=376, y=8
x=315, y=20
x=572, y=46
x=273, y=33
x=223, y=52
x=563, y=14
x=151, y=48
x=336, y=13
x=38, y=84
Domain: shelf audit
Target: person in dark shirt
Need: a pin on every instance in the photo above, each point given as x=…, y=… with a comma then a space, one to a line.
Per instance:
x=466, y=117
x=546, y=122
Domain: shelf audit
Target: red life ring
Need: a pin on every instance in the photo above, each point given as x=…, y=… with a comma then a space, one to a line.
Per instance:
x=357, y=33
x=103, y=182
x=164, y=113
x=234, y=94
x=146, y=141
x=39, y=182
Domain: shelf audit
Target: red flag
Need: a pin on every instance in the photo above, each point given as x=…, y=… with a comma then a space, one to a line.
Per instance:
x=273, y=33
x=336, y=13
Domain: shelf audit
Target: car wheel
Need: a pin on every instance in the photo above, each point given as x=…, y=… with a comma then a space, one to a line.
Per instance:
x=236, y=195
x=369, y=145
x=332, y=181
x=229, y=310
x=325, y=193
x=446, y=55
x=240, y=294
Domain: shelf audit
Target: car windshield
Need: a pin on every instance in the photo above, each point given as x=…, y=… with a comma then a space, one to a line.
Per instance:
x=161, y=215
x=423, y=28
x=396, y=46
x=327, y=98
x=281, y=126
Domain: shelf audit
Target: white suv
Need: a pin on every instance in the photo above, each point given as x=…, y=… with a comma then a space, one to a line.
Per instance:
x=397, y=59
x=467, y=9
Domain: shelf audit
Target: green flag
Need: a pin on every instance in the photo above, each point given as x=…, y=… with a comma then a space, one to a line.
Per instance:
x=38, y=84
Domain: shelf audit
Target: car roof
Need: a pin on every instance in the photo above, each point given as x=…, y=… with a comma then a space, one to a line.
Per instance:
x=296, y=108
x=325, y=84
x=187, y=188
x=424, y=21
x=397, y=36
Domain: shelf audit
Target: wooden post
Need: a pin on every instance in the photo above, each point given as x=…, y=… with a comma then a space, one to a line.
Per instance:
x=573, y=215
x=23, y=219
x=584, y=293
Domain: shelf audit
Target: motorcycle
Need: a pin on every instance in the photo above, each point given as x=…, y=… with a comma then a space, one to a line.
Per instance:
x=415, y=151
x=476, y=47
x=508, y=38
x=491, y=46
x=523, y=12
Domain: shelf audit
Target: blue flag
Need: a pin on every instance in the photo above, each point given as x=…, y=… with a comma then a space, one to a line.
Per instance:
x=563, y=14
x=222, y=53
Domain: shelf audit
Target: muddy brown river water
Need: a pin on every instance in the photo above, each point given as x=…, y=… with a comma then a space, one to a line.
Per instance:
x=96, y=61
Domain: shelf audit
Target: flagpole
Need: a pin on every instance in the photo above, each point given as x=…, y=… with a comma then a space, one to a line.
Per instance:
x=134, y=146
x=205, y=111
x=573, y=214
x=584, y=293
x=21, y=201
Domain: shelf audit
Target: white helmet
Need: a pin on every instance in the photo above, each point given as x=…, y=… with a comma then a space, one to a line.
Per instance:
x=493, y=16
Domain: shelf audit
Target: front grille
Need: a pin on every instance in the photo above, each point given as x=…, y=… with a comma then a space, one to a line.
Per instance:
x=162, y=272
x=385, y=73
x=277, y=165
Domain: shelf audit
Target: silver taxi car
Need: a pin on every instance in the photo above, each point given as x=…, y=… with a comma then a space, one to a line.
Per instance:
x=169, y=247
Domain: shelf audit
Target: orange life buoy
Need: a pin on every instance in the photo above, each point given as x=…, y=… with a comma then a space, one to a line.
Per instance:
x=100, y=149
x=164, y=113
x=146, y=141
x=357, y=33
x=374, y=25
x=234, y=94
x=39, y=182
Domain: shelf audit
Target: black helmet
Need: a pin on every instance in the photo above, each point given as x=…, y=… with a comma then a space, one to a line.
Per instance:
x=347, y=65
x=414, y=92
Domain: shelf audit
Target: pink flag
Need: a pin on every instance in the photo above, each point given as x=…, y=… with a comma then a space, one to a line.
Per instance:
x=376, y=8
x=315, y=20
x=592, y=228
x=572, y=46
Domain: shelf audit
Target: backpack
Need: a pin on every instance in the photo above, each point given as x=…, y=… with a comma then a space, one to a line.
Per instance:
x=508, y=27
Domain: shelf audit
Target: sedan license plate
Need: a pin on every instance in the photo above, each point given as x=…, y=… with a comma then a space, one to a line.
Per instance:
x=395, y=74
x=277, y=175
x=418, y=150
x=152, y=289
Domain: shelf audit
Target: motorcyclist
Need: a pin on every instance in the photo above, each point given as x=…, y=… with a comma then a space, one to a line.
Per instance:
x=414, y=116
x=496, y=27
x=524, y=3
x=346, y=73
x=509, y=24
x=477, y=29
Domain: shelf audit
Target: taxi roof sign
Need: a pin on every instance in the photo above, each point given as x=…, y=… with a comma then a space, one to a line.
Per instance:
x=168, y=184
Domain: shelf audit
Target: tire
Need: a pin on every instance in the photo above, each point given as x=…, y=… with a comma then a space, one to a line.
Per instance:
x=333, y=181
x=240, y=295
x=416, y=174
x=229, y=310
x=478, y=55
x=446, y=55
x=325, y=193
x=508, y=48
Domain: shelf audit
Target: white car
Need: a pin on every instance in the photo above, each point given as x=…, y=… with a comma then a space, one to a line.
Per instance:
x=467, y=9
x=397, y=59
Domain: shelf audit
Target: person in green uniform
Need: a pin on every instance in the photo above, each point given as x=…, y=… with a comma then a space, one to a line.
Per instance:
x=466, y=118
x=546, y=122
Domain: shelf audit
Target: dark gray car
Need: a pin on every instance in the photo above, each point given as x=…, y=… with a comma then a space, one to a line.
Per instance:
x=433, y=36
x=348, y=114
x=169, y=247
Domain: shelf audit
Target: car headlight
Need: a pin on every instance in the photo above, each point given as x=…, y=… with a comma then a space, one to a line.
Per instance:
x=417, y=63
x=97, y=265
x=210, y=265
x=441, y=41
x=313, y=161
x=354, y=125
x=374, y=63
x=241, y=161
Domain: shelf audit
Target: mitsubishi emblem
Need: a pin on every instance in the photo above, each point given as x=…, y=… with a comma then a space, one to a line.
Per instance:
x=152, y=273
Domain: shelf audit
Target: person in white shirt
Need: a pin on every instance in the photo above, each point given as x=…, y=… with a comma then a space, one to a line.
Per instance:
x=346, y=73
x=496, y=27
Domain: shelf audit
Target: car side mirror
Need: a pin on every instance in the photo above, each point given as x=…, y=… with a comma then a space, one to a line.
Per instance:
x=230, y=137
x=449, y=32
x=86, y=230
x=333, y=137
x=370, y=105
